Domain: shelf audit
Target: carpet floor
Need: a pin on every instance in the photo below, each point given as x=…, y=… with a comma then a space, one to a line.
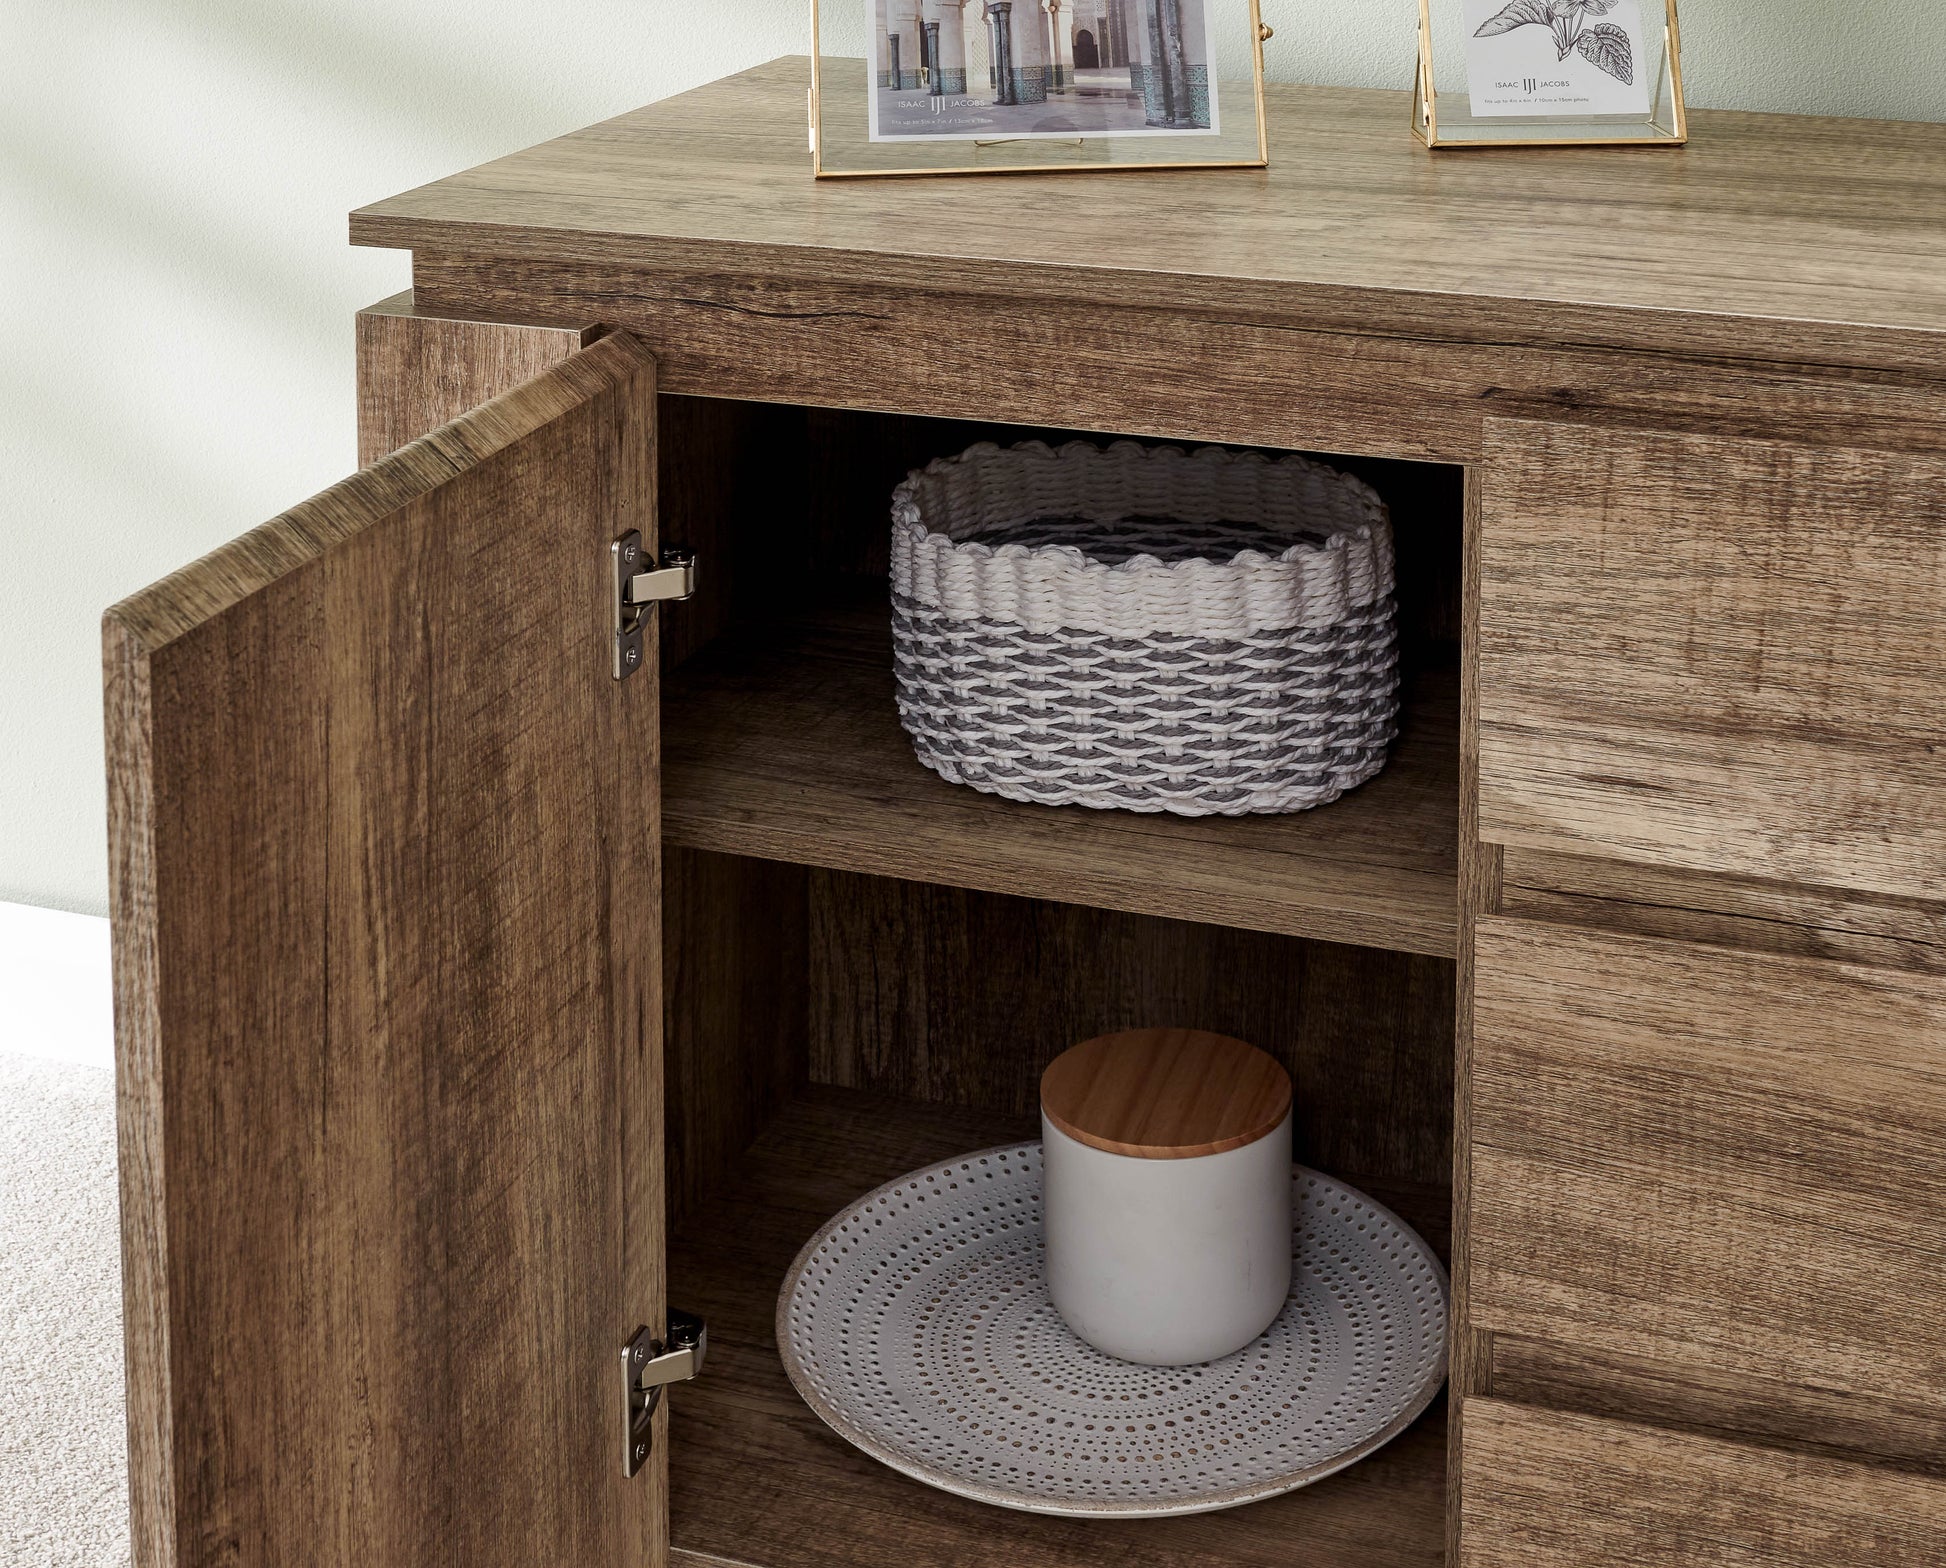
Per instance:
x=63, y=1453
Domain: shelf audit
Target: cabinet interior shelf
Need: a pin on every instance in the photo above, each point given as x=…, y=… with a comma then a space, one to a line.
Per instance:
x=760, y=1480
x=787, y=746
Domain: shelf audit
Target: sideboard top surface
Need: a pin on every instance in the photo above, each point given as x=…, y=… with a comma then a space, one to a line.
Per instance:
x=1830, y=232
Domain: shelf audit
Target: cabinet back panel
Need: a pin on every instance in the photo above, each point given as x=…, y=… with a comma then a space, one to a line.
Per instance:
x=941, y=994
x=795, y=495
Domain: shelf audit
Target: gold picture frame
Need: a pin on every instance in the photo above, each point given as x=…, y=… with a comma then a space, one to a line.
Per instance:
x=845, y=97
x=1665, y=125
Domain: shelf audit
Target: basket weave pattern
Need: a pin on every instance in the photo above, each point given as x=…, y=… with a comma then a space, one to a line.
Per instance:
x=1149, y=629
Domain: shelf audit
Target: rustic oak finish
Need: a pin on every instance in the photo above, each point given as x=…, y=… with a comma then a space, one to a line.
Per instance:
x=1545, y=1489
x=736, y=972
x=1352, y=227
x=416, y=373
x=950, y=997
x=1469, y=1347
x=387, y=1006
x=1715, y=654
x=1189, y=371
x=785, y=743
x=1737, y=1406
x=1165, y=1094
x=1716, y=1159
x=1358, y=296
x=1725, y=911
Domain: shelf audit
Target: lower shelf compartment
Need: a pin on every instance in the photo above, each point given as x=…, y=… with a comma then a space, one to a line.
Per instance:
x=757, y=1479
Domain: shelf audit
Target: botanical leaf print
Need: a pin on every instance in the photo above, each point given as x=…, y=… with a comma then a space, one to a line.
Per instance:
x=1606, y=45
x=1592, y=7
x=1519, y=14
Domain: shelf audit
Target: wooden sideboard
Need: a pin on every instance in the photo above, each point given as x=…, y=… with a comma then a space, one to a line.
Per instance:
x=473, y=1005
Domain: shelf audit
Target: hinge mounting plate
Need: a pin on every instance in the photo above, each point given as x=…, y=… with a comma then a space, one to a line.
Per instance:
x=648, y=1365
x=637, y=584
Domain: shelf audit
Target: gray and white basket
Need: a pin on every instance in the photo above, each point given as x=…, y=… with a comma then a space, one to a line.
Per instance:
x=1208, y=633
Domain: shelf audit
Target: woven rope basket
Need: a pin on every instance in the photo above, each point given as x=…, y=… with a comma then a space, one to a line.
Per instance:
x=1208, y=633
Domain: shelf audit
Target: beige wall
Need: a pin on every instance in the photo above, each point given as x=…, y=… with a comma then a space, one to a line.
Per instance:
x=176, y=291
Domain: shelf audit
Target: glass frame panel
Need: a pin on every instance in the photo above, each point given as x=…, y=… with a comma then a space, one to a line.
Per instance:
x=1448, y=120
x=1065, y=114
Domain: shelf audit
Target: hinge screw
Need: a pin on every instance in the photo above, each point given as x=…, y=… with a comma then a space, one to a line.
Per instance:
x=641, y=1451
x=631, y=658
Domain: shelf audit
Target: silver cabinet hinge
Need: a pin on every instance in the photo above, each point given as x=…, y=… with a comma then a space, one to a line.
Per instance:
x=648, y=1366
x=638, y=584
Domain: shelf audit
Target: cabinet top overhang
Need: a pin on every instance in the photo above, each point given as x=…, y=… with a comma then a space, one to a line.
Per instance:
x=1806, y=239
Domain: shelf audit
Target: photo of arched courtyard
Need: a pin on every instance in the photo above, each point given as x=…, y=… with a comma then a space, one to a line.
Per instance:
x=1000, y=69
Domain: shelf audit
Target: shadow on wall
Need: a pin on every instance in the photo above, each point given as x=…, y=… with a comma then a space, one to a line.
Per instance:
x=180, y=148
x=176, y=291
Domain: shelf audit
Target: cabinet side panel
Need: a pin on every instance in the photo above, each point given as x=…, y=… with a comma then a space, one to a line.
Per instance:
x=734, y=970
x=139, y=1096
x=418, y=372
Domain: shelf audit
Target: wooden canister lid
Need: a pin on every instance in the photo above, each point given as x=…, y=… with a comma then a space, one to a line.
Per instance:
x=1165, y=1094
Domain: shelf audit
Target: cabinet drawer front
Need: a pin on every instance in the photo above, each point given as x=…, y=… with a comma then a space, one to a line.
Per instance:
x=1719, y=1160
x=1718, y=654
x=1546, y=1489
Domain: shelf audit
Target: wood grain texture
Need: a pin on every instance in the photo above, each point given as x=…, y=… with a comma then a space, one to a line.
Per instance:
x=1829, y=231
x=1771, y=710
x=937, y=994
x=1726, y=911
x=417, y=371
x=730, y=476
x=735, y=967
x=1544, y=1489
x=762, y=1481
x=1738, y=1407
x=1721, y=1160
x=385, y=889
x=1165, y=1094
x=786, y=744
x=1188, y=369
x=717, y=460
x=1469, y=1347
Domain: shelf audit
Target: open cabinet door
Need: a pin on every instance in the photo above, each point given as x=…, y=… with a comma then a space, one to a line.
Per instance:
x=387, y=968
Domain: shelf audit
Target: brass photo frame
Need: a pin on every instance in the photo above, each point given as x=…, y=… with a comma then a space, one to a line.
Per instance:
x=897, y=93
x=1451, y=122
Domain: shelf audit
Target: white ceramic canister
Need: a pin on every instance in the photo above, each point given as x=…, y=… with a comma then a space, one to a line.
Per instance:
x=1166, y=1169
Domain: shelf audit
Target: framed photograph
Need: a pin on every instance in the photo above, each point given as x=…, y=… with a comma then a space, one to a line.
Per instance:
x=998, y=86
x=1536, y=73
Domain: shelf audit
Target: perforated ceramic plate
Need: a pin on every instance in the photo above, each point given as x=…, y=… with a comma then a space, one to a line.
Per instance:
x=918, y=1325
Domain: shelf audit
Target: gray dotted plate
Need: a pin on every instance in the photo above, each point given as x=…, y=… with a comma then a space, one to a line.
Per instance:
x=917, y=1324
